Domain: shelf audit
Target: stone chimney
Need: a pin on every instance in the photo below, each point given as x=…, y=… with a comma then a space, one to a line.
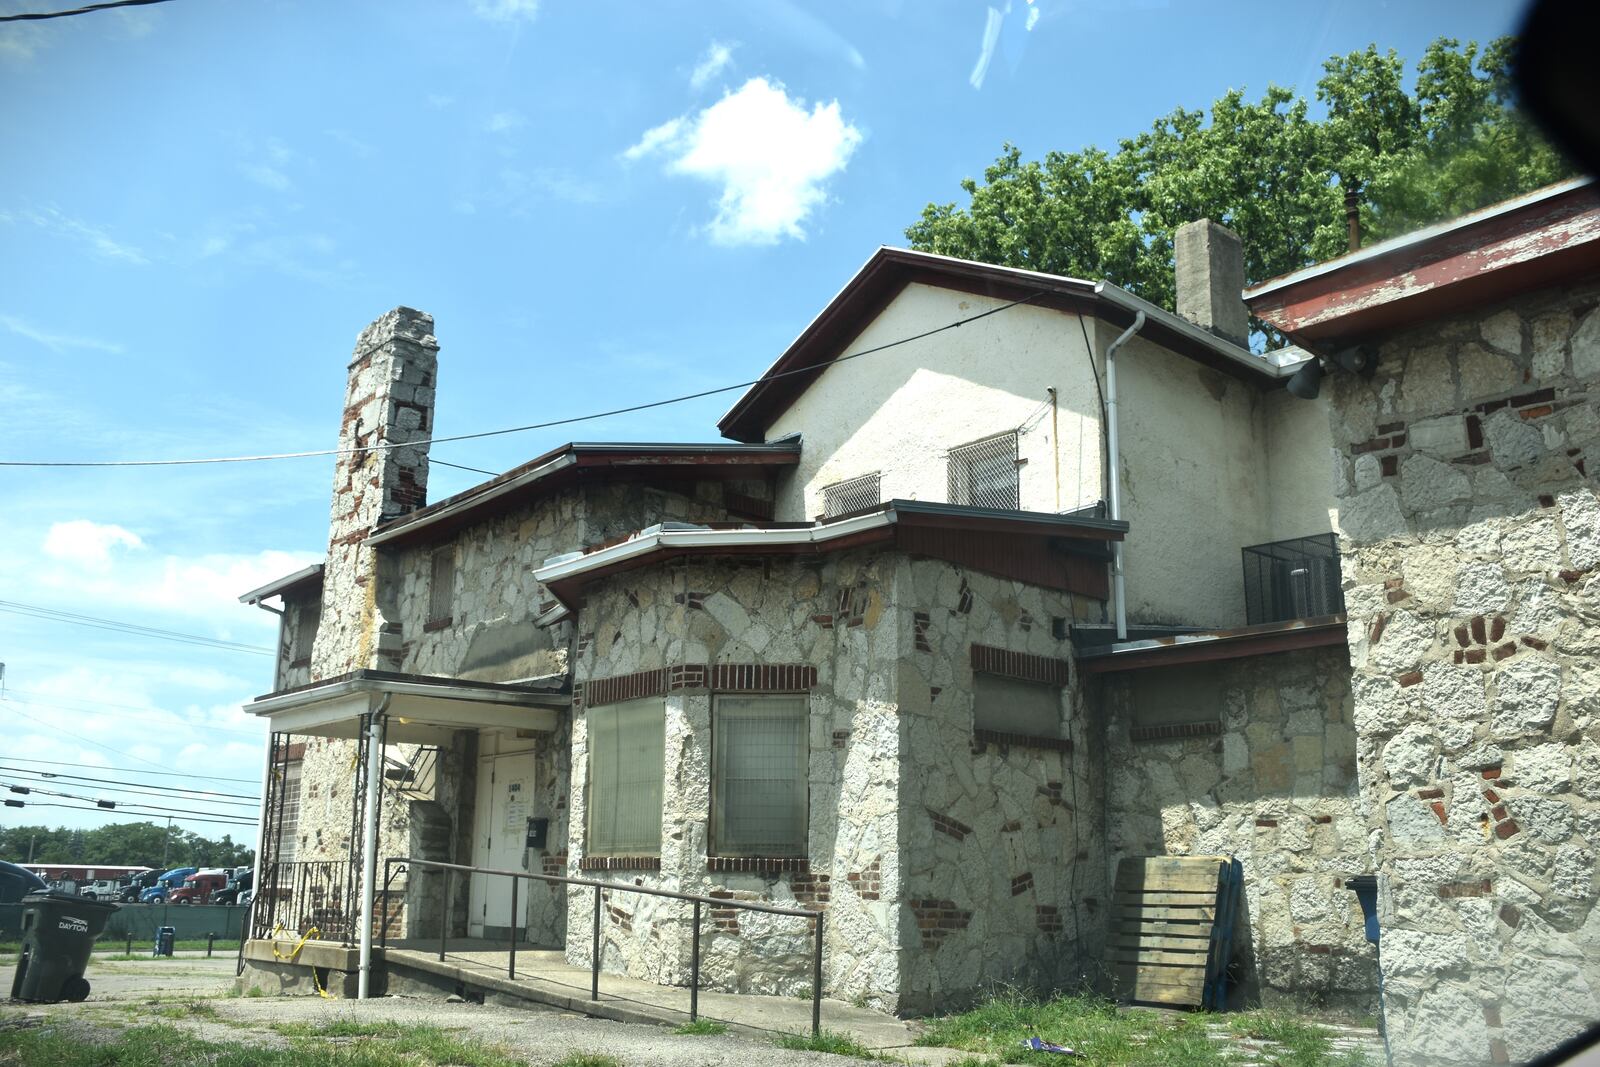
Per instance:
x=388, y=401
x=1210, y=279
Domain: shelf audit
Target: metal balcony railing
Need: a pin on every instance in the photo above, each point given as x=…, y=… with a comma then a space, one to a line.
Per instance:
x=1293, y=579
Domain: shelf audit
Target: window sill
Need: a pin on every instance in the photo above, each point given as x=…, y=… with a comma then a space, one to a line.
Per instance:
x=620, y=863
x=758, y=864
x=1174, y=731
x=981, y=738
x=433, y=625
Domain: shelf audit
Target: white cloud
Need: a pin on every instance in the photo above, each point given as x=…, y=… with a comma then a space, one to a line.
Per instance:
x=771, y=155
x=87, y=544
x=718, y=58
x=505, y=10
x=101, y=242
x=504, y=122
x=56, y=342
x=991, y=37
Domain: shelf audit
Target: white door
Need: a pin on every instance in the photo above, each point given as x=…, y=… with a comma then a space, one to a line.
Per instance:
x=505, y=803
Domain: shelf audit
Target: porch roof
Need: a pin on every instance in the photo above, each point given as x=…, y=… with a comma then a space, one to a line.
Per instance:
x=1207, y=646
x=422, y=709
x=306, y=578
x=1043, y=548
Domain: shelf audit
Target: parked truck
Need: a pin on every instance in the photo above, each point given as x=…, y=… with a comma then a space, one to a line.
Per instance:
x=101, y=889
x=198, y=887
x=157, y=893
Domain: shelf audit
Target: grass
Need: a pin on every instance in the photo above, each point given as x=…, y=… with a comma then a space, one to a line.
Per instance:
x=1118, y=1037
x=141, y=946
x=193, y=1009
x=827, y=1041
x=588, y=1059
x=162, y=1045
x=700, y=1028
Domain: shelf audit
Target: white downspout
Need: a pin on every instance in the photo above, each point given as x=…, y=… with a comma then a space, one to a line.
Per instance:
x=1119, y=593
x=369, y=842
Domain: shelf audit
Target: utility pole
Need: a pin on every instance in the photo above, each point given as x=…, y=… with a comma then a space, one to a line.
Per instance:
x=33, y=839
x=166, y=843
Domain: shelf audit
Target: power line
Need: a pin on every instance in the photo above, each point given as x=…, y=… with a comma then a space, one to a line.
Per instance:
x=10, y=706
x=114, y=805
x=41, y=15
x=387, y=445
x=57, y=615
x=116, y=785
x=74, y=807
x=130, y=770
x=463, y=467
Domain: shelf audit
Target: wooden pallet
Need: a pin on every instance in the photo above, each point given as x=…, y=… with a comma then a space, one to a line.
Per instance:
x=1172, y=924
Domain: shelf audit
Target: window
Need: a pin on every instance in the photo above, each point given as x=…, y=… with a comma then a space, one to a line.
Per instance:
x=305, y=633
x=626, y=753
x=1013, y=706
x=841, y=498
x=441, y=585
x=984, y=473
x=759, y=754
x=290, y=823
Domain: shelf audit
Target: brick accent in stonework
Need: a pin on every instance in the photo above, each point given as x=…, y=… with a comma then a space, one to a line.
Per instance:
x=621, y=918
x=868, y=882
x=1048, y=918
x=757, y=864
x=1021, y=665
x=1171, y=730
x=919, y=623
x=946, y=825
x=982, y=738
x=620, y=863
x=1021, y=883
x=1051, y=791
x=811, y=890
x=938, y=919
x=718, y=677
x=1466, y=889
x=554, y=863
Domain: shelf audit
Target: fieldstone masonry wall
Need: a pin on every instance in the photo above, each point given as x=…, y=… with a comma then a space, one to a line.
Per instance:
x=1270, y=779
x=1472, y=571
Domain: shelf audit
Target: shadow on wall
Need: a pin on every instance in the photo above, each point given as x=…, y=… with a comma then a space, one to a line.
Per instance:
x=1254, y=758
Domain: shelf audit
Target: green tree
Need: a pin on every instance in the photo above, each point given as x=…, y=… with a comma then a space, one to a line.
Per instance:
x=138, y=844
x=1266, y=168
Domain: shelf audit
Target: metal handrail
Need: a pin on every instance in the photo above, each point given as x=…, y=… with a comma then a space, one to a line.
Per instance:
x=406, y=862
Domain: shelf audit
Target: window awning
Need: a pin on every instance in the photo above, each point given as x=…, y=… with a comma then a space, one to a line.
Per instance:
x=422, y=709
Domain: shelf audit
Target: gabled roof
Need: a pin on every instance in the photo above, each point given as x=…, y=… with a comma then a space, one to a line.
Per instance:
x=1546, y=236
x=1043, y=548
x=890, y=270
x=580, y=461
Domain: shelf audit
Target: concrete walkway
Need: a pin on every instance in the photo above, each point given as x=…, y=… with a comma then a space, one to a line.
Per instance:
x=544, y=976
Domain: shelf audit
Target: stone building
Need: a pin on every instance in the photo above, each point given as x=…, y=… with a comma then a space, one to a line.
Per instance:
x=930, y=643
x=1463, y=366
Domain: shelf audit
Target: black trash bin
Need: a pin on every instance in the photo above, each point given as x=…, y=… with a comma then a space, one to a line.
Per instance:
x=58, y=932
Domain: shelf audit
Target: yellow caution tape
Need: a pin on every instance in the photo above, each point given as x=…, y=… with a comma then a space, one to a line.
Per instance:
x=278, y=931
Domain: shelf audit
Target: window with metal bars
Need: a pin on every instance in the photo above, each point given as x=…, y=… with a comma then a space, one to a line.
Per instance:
x=759, y=755
x=984, y=473
x=441, y=585
x=289, y=824
x=305, y=635
x=626, y=752
x=854, y=494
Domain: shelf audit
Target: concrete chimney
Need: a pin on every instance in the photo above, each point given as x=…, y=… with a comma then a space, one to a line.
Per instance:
x=1210, y=279
x=388, y=401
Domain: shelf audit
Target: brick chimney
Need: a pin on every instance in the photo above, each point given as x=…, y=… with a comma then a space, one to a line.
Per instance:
x=388, y=401
x=1210, y=279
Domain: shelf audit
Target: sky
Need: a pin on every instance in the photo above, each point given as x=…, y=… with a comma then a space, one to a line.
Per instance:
x=203, y=202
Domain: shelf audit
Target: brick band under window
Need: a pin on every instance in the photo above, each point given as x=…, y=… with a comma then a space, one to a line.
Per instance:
x=620, y=863
x=758, y=864
x=1167, y=731
x=721, y=677
x=998, y=737
x=1020, y=665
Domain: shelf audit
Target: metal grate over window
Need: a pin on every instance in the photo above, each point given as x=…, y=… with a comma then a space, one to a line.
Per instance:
x=759, y=757
x=984, y=473
x=626, y=753
x=1294, y=579
x=855, y=494
x=289, y=824
x=441, y=584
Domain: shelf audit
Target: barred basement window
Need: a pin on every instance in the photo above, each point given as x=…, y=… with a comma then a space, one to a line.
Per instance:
x=759, y=756
x=1013, y=706
x=441, y=585
x=984, y=473
x=626, y=753
x=855, y=494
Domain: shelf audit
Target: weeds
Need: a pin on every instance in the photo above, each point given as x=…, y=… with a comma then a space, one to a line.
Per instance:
x=700, y=1028
x=827, y=1041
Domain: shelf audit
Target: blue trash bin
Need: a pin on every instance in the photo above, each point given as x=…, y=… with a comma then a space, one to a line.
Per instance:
x=165, y=936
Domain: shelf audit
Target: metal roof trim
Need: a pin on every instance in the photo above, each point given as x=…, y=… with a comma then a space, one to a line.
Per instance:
x=279, y=585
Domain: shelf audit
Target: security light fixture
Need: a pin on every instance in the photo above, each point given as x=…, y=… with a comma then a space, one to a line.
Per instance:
x=1306, y=382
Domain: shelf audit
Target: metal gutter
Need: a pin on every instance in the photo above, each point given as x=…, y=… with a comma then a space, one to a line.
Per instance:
x=1243, y=357
x=1427, y=233
x=1209, y=645
x=544, y=470
x=378, y=682
x=273, y=588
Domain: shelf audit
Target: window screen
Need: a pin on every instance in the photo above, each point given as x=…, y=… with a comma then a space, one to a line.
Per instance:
x=305, y=631
x=1012, y=706
x=288, y=834
x=626, y=751
x=758, y=756
x=441, y=584
x=841, y=498
x=984, y=473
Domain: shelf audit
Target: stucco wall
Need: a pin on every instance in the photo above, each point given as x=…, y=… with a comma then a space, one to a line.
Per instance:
x=1275, y=785
x=1300, y=465
x=1471, y=540
x=900, y=410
